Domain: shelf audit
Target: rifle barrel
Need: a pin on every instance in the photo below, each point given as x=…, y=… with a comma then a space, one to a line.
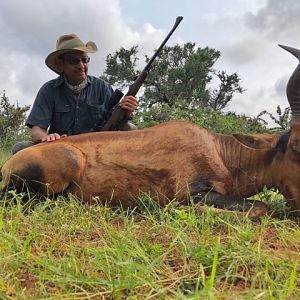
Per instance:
x=119, y=113
x=177, y=22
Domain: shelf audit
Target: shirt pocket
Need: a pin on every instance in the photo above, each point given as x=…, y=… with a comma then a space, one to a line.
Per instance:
x=62, y=108
x=60, y=111
x=98, y=112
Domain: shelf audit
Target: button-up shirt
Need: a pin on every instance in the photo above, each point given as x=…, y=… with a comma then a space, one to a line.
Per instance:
x=59, y=110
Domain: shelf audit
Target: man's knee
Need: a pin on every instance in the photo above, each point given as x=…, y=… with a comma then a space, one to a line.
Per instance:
x=21, y=145
x=125, y=126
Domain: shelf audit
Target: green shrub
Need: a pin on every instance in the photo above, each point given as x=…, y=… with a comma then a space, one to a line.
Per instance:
x=213, y=120
x=12, y=118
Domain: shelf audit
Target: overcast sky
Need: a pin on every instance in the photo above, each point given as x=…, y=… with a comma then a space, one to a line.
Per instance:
x=246, y=32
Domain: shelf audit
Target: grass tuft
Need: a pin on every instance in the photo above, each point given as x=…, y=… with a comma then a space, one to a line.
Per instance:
x=64, y=249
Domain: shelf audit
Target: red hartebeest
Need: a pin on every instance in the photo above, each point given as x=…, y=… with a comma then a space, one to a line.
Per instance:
x=171, y=160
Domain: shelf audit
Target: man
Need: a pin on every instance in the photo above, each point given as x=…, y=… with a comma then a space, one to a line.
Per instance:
x=74, y=102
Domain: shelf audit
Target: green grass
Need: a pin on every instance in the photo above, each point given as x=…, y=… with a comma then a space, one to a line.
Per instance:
x=3, y=156
x=63, y=249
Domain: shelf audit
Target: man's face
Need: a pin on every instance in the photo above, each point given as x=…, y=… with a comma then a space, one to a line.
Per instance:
x=75, y=66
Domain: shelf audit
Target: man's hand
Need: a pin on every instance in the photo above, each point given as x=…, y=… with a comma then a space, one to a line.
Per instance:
x=39, y=134
x=51, y=137
x=130, y=104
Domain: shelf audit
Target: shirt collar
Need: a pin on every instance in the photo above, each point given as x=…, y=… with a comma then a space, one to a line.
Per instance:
x=60, y=80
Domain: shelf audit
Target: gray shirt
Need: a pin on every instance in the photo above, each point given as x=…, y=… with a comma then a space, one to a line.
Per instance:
x=60, y=110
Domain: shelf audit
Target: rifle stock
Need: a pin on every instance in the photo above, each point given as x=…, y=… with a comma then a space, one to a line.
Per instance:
x=118, y=113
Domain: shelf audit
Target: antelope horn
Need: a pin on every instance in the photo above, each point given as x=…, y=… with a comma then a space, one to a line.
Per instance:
x=293, y=86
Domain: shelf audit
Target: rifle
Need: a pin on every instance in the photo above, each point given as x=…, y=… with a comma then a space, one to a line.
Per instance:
x=118, y=113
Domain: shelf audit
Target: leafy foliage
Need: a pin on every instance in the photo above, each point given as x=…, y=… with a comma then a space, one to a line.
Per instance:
x=229, y=84
x=12, y=117
x=181, y=74
x=214, y=120
x=183, y=84
x=282, y=120
x=121, y=67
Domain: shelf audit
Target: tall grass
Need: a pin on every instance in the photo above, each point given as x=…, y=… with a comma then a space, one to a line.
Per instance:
x=63, y=249
x=4, y=154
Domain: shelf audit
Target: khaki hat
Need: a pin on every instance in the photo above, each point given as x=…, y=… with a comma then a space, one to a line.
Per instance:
x=67, y=43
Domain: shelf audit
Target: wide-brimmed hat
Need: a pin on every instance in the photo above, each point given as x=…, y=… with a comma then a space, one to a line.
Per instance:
x=67, y=43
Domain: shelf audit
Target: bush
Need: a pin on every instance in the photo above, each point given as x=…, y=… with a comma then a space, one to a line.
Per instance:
x=214, y=120
x=12, y=118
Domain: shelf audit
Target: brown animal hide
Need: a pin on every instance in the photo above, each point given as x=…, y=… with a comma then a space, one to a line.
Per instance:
x=171, y=160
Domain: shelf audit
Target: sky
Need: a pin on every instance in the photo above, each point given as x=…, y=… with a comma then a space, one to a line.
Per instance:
x=246, y=32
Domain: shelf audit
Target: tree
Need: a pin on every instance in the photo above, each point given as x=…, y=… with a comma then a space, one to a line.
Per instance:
x=12, y=117
x=120, y=67
x=229, y=84
x=181, y=75
x=282, y=120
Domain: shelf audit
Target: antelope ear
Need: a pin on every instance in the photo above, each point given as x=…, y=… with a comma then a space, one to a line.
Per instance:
x=257, y=141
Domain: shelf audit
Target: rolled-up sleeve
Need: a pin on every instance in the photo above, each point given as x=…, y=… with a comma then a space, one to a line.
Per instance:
x=41, y=112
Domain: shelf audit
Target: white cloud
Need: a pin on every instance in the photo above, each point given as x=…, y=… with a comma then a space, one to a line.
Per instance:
x=246, y=33
x=30, y=30
x=277, y=20
x=248, y=42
